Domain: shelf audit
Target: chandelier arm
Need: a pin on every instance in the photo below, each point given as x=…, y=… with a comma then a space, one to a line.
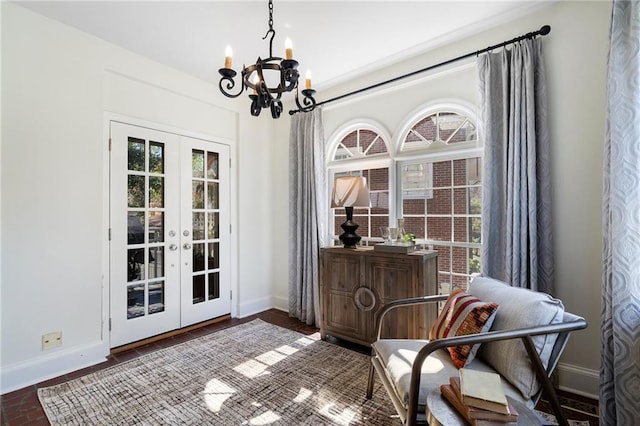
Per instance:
x=228, y=78
x=276, y=109
x=255, y=107
x=308, y=102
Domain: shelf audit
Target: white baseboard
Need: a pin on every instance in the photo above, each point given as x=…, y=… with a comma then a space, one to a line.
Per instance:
x=256, y=306
x=17, y=376
x=281, y=303
x=578, y=380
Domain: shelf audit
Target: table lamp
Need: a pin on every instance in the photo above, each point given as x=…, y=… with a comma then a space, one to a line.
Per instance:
x=350, y=192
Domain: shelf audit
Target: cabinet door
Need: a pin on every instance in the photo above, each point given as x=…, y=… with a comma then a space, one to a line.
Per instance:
x=342, y=277
x=393, y=278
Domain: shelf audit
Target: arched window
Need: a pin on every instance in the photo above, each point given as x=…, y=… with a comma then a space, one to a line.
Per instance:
x=440, y=129
x=360, y=143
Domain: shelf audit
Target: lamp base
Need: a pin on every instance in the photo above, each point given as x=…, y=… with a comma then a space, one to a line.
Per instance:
x=349, y=238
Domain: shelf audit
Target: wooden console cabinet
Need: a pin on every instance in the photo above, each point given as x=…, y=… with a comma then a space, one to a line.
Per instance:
x=355, y=283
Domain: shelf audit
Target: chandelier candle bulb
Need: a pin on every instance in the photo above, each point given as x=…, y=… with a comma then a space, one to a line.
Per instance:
x=307, y=79
x=228, y=55
x=288, y=49
x=255, y=80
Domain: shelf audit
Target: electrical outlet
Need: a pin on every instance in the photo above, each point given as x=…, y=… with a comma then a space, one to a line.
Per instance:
x=51, y=340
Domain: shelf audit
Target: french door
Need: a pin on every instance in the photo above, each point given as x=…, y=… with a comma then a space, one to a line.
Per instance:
x=169, y=232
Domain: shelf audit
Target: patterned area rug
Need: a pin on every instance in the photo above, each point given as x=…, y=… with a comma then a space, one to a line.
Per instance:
x=550, y=420
x=252, y=373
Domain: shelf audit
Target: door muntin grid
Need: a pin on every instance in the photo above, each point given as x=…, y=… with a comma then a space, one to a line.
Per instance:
x=205, y=213
x=145, y=227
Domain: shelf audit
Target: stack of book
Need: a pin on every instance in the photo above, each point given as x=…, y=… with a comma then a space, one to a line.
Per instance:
x=479, y=397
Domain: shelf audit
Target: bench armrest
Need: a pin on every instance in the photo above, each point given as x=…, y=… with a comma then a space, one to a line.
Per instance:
x=404, y=302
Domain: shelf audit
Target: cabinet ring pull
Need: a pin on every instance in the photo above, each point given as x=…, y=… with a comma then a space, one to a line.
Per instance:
x=356, y=299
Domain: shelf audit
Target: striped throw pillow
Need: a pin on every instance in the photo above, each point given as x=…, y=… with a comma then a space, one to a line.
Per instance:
x=463, y=314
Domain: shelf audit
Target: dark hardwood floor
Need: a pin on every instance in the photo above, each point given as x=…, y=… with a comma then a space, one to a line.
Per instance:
x=23, y=408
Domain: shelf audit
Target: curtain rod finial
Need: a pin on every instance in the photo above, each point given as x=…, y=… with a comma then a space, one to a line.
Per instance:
x=546, y=29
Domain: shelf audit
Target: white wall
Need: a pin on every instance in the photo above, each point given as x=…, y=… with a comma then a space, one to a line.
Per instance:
x=257, y=205
x=576, y=54
x=58, y=85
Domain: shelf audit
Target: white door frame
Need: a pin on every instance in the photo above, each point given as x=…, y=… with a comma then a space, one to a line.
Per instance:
x=108, y=117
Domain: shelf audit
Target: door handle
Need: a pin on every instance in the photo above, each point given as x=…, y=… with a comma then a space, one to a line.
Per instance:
x=186, y=246
x=173, y=247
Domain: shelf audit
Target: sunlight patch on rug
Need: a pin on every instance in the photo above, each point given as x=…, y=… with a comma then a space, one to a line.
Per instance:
x=250, y=374
x=216, y=393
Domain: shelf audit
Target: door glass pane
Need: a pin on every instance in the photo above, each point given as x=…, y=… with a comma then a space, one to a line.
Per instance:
x=212, y=226
x=197, y=163
x=198, y=289
x=156, y=192
x=135, y=227
x=212, y=195
x=214, y=286
x=135, y=191
x=156, y=297
x=198, y=194
x=213, y=259
x=198, y=226
x=135, y=301
x=156, y=262
x=135, y=155
x=212, y=165
x=156, y=157
x=135, y=264
x=198, y=257
x=156, y=227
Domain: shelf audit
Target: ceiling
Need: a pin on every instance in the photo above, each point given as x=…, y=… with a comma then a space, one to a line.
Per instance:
x=336, y=40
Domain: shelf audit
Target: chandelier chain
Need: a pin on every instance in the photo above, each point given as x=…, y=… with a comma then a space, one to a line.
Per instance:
x=270, y=30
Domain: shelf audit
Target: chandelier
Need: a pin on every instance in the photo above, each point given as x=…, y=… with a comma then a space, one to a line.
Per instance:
x=283, y=72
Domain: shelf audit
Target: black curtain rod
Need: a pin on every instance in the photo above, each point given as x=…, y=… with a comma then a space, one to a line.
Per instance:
x=544, y=30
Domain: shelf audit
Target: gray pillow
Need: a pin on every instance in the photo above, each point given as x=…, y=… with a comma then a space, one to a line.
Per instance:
x=519, y=308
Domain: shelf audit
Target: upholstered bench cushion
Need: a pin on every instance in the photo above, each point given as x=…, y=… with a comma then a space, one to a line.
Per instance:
x=519, y=308
x=398, y=356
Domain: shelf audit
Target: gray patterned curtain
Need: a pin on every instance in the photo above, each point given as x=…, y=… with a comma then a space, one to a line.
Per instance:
x=307, y=214
x=517, y=244
x=620, y=367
